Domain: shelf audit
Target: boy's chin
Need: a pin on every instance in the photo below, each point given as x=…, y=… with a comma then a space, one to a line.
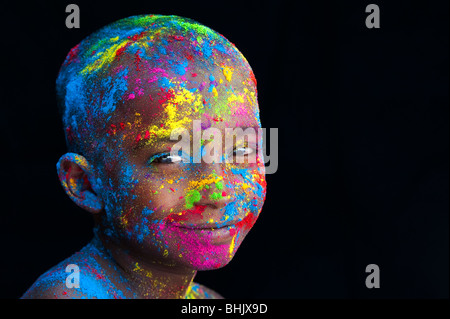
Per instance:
x=211, y=259
x=212, y=263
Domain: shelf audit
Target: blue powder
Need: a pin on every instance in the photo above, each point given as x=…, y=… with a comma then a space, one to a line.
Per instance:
x=91, y=289
x=146, y=211
x=231, y=210
x=73, y=89
x=165, y=83
x=219, y=47
x=162, y=50
x=114, y=89
x=206, y=49
x=127, y=172
x=180, y=68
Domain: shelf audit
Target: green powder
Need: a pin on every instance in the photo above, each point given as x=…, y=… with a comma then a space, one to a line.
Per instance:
x=215, y=196
x=192, y=197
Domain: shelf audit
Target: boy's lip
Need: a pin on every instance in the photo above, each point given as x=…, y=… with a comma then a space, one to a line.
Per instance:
x=196, y=217
x=217, y=235
x=206, y=226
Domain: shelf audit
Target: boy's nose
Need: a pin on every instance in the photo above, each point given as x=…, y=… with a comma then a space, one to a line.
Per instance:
x=214, y=196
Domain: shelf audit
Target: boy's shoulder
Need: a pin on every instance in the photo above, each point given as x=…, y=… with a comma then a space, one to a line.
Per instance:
x=199, y=291
x=60, y=282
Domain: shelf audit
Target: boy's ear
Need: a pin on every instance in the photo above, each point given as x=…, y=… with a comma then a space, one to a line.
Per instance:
x=77, y=179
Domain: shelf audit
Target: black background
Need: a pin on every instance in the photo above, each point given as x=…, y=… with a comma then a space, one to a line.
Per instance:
x=363, y=144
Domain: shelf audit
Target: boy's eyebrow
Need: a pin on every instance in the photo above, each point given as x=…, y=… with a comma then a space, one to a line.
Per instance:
x=143, y=142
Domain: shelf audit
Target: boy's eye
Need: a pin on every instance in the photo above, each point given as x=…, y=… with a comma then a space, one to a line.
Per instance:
x=165, y=158
x=241, y=151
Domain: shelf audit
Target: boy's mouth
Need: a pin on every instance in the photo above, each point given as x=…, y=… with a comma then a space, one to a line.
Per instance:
x=209, y=226
x=215, y=235
x=222, y=234
x=199, y=218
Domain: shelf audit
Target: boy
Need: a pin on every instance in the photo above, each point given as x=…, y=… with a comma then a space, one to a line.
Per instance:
x=123, y=91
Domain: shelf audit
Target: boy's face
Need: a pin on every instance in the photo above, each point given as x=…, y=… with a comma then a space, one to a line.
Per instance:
x=187, y=214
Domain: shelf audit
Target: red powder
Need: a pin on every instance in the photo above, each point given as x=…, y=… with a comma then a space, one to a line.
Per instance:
x=194, y=75
x=137, y=36
x=189, y=214
x=113, y=129
x=69, y=133
x=252, y=77
x=73, y=53
x=137, y=59
x=247, y=222
x=120, y=51
x=166, y=95
x=86, y=183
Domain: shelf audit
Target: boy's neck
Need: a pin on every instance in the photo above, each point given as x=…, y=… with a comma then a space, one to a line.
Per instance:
x=146, y=278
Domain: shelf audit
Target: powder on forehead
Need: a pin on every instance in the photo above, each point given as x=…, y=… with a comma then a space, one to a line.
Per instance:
x=100, y=72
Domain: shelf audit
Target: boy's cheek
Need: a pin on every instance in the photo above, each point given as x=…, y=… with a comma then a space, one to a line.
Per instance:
x=148, y=202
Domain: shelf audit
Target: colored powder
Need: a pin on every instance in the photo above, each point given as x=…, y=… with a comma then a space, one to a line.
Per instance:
x=219, y=185
x=192, y=197
x=146, y=211
x=228, y=72
x=215, y=196
x=114, y=89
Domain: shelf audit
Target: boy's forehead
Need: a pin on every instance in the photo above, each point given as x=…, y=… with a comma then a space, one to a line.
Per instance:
x=144, y=76
x=219, y=95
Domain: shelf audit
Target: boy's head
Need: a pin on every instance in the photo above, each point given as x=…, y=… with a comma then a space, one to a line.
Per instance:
x=122, y=92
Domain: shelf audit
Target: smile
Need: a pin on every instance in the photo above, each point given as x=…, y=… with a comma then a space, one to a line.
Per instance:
x=217, y=235
x=206, y=226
